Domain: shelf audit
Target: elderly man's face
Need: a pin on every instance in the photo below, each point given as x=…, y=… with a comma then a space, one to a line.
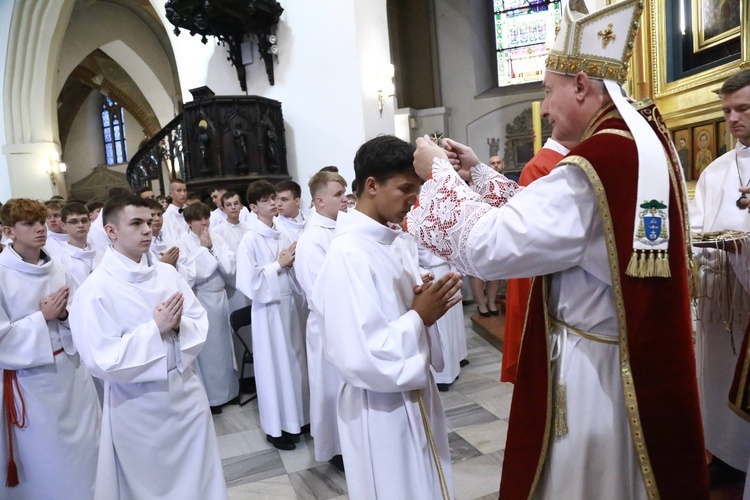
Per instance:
x=560, y=105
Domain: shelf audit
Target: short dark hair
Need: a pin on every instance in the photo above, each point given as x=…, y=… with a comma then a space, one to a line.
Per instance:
x=736, y=82
x=196, y=211
x=144, y=189
x=161, y=197
x=154, y=205
x=73, y=208
x=94, y=204
x=383, y=157
x=116, y=205
x=259, y=190
x=117, y=191
x=289, y=186
x=227, y=195
x=194, y=196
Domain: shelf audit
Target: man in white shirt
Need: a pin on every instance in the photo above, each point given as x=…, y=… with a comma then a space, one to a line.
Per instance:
x=328, y=191
x=53, y=418
x=219, y=214
x=291, y=220
x=159, y=250
x=716, y=207
x=373, y=314
x=139, y=327
x=174, y=222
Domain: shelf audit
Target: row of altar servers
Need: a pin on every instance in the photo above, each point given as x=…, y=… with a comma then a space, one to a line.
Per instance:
x=295, y=383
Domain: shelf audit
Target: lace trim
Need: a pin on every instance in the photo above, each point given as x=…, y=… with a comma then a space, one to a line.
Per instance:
x=448, y=210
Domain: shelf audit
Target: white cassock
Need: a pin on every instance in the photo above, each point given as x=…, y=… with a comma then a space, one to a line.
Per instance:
x=97, y=237
x=278, y=337
x=450, y=326
x=218, y=216
x=362, y=299
x=80, y=262
x=291, y=227
x=54, y=246
x=56, y=452
x=515, y=241
x=158, y=438
x=207, y=271
x=232, y=234
x=324, y=378
x=174, y=225
x=158, y=247
x=714, y=208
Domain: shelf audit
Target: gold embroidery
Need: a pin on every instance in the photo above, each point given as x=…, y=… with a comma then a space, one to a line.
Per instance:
x=615, y=131
x=631, y=403
x=607, y=36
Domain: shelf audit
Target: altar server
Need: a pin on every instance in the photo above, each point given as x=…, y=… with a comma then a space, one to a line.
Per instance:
x=50, y=430
x=139, y=327
x=264, y=260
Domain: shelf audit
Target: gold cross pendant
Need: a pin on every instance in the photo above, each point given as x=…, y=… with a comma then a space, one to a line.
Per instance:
x=607, y=36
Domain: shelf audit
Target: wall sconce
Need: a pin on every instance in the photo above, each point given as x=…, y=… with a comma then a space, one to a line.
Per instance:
x=54, y=167
x=386, y=88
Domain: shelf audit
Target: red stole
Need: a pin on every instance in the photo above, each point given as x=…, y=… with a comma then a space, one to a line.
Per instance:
x=656, y=347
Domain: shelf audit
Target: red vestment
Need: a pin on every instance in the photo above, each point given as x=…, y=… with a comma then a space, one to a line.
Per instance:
x=657, y=361
x=518, y=289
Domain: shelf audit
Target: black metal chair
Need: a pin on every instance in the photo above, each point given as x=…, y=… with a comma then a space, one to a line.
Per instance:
x=239, y=319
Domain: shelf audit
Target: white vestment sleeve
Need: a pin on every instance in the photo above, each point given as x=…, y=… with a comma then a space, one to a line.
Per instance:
x=24, y=343
x=260, y=283
x=369, y=351
x=225, y=257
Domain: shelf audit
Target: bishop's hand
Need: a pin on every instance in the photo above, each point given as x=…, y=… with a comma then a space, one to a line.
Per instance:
x=426, y=151
x=462, y=157
x=168, y=314
x=433, y=299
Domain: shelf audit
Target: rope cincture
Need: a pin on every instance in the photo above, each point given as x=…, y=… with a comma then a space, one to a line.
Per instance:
x=10, y=381
x=433, y=448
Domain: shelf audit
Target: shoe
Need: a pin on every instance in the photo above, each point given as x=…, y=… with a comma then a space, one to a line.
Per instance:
x=721, y=473
x=495, y=312
x=484, y=314
x=463, y=363
x=338, y=462
x=281, y=443
x=215, y=410
x=444, y=387
x=305, y=429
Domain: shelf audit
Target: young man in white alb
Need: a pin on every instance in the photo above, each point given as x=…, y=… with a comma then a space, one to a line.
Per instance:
x=54, y=417
x=174, y=222
x=328, y=191
x=264, y=273
x=291, y=220
x=139, y=327
x=208, y=262
x=56, y=235
x=80, y=257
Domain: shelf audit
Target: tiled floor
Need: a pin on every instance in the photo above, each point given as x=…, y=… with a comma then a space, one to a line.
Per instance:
x=477, y=408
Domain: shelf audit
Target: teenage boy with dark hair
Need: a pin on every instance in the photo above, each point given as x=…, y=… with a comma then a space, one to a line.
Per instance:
x=291, y=220
x=208, y=262
x=94, y=206
x=373, y=310
x=264, y=273
x=79, y=257
x=56, y=235
x=139, y=327
x=53, y=418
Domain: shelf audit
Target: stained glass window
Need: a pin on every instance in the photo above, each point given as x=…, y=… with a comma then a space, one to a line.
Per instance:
x=524, y=32
x=113, y=127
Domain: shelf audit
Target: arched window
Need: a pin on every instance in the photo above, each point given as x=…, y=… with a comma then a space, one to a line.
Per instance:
x=113, y=126
x=524, y=32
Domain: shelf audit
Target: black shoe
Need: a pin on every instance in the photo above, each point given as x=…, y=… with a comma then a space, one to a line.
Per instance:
x=721, y=473
x=215, y=410
x=444, y=387
x=463, y=363
x=495, y=312
x=281, y=443
x=305, y=429
x=485, y=314
x=338, y=462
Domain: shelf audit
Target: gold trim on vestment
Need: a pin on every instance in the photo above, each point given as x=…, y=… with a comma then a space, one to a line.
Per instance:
x=616, y=131
x=587, y=335
x=433, y=448
x=626, y=375
x=548, y=418
x=598, y=120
